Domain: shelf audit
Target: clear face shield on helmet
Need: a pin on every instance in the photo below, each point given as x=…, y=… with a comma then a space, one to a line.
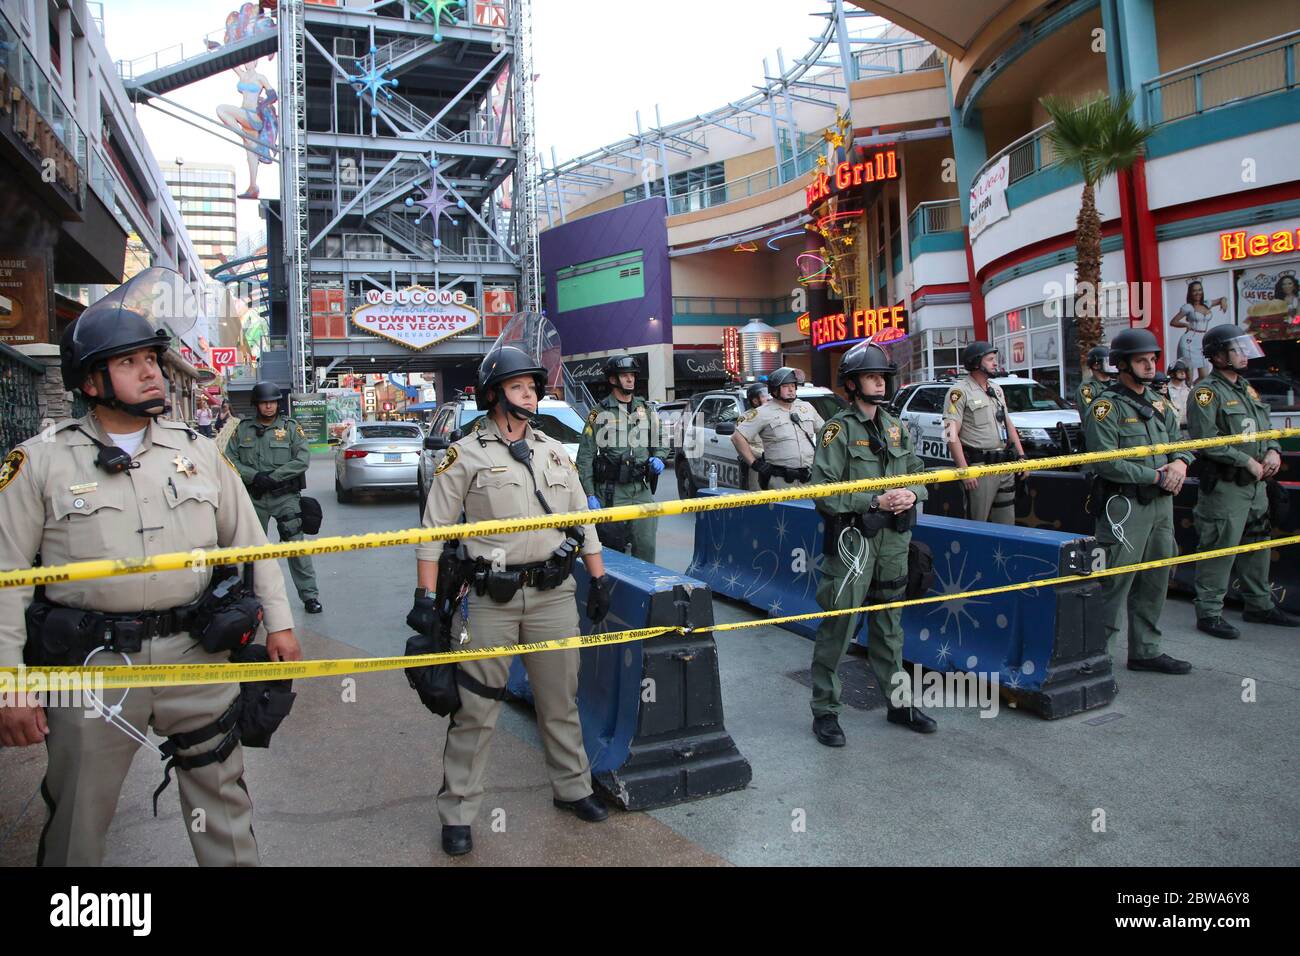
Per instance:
x=1108, y=366
x=1240, y=349
x=535, y=334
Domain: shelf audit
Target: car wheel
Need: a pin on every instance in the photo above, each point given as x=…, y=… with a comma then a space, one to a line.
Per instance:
x=686, y=487
x=344, y=497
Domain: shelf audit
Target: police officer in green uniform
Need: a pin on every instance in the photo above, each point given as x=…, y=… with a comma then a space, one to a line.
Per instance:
x=865, y=539
x=1133, y=499
x=1103, y=372
x=1232, y=504
x=271, y=455
x=621, y=456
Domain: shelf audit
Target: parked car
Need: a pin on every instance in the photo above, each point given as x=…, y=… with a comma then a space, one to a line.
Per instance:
x=454, y=420
x=377, y=456
x=703, y=443
x=1048, y=425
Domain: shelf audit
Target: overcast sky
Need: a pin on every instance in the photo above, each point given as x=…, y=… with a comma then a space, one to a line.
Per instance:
x=596, y=65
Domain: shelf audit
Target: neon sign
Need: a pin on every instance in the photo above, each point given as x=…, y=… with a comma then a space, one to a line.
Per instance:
x=1236, y=245
x=840, y=329
x=883, y=165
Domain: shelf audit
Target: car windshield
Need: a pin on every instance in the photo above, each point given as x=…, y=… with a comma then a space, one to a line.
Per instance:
x=559, y=422
x=1032, y=398
x=389, y=431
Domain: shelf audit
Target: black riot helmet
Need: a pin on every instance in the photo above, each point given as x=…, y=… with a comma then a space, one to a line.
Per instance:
x=973, y=354
x=1161, y=383
x=1224, y=339
x=505, y=362
x=266, y=392
x=868, y=357
x=1099, y=360
x=617, y=364
x=785, y=375
x=1132, y=342
x=137, y=314
x=754, y=394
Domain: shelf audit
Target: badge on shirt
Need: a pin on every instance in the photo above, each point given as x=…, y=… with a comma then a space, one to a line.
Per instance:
x=1159, y=405
x=83, y=489
x=895, y=436
x=1100, y=409
x=1086, y=392
x=10, y=467
x=829, y=434
x=1204, y=396
x=1250, y=390
x=281, y=434
x=448, y=460
x=750, y=415
x=184, y=466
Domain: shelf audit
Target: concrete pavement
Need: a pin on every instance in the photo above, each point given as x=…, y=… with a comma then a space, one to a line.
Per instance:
x=1180, y=770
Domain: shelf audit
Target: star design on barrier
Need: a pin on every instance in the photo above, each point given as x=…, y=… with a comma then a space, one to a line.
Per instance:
x=715, y=565
x=780, y=529
x=373, y=80
x=944, y=652
x=1013, y=682
x=732, y=579
x=774, y=608
x=954, y=582
x=1001, y=560
x=439, y=9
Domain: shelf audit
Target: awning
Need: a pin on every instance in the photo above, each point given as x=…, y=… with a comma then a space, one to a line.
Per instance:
x=952, y=27
x=422, y=407
x=699, y=365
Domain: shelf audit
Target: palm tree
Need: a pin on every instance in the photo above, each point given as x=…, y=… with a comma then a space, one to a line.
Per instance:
x=1097, y=137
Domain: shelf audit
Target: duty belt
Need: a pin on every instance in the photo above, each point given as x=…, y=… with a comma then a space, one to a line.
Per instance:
x=803, y=475
x=501, y=584
x=988, y=456
x=126, y=633
x=296, y=483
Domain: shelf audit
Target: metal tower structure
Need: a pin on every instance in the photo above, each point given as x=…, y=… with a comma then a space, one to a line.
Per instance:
x=525, y=213
x=293, y=192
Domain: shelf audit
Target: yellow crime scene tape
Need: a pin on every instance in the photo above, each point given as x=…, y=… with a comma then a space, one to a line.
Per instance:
x=16, y=679
x=187, y=560
x=162, y=675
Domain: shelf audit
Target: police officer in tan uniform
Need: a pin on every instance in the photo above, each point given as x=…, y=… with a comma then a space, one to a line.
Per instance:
x=520, y=589
x=979, y=432
x=121, y=483
x=756, y=396
x=787, y=429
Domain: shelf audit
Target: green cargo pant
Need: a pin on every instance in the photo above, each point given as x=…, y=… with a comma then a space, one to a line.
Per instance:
x=643, y=531
x=886, y=561
x=287, y=512
x=1225, y=517
x=1140, y=597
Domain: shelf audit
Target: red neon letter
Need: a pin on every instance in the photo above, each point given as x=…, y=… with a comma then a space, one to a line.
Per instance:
x=1233, y=245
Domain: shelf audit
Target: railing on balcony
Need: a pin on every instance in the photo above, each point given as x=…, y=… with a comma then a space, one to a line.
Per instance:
x=928, y=218
x=751, y=185
x=170, y=56
x=1252, y=71
x=909, y=56
x=1026, y=156
x=20, y=417
x=713, y=305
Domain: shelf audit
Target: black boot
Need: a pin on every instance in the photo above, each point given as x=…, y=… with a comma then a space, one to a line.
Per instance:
x=589, y=808
x=312, y=606
x=1218, y=627
x=1164, y=664
x=826, y=728
x=1274, y=615
x=913, y=718
x=456, y=841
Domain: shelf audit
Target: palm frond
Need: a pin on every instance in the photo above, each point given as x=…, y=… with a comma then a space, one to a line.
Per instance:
x=1096, y=136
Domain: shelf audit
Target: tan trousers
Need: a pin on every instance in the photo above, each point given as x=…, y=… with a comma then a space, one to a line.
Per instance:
x=994, y=499
x=530, y=616
x=89, y=759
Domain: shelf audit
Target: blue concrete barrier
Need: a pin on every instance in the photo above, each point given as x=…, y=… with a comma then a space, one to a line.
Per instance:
x=1047, y=646
x=651, y=710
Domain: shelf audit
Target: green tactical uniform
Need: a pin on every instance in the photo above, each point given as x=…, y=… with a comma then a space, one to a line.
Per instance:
x=1228, y=512
x=844, y=454
x=1088, y=390
x=615, y=430
x=281, y=450
x=1146, y=529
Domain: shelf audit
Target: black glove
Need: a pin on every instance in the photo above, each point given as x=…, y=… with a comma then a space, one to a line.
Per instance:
x=424, y=616
x=598, y=598
x=261, y=483
x=762, y=467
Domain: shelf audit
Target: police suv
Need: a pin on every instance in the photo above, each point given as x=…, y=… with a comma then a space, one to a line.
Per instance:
x=703, y=451
x=1048, y=425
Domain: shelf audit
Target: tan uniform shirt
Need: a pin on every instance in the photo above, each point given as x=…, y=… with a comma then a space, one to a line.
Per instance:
x=782, y=442
x=975, y=412
x=479, y=477
x=55, y=501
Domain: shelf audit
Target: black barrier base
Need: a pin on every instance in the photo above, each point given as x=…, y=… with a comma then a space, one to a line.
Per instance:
x=1080, y=676
x=681, y=749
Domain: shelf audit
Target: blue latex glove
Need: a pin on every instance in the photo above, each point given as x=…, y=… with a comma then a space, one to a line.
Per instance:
x=656, y=465
x=593, y=502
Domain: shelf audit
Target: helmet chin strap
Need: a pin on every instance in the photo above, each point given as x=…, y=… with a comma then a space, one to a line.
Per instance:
x=154, y=408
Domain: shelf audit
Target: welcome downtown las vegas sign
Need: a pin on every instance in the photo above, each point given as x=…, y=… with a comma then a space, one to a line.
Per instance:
x=416, y=317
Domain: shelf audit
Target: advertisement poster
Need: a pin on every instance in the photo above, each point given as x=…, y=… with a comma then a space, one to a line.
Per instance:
x=988, y=197
x=308, y=410
x=342, y=408
x=24, y=300
x=1268, y=300
x=1193, y=306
